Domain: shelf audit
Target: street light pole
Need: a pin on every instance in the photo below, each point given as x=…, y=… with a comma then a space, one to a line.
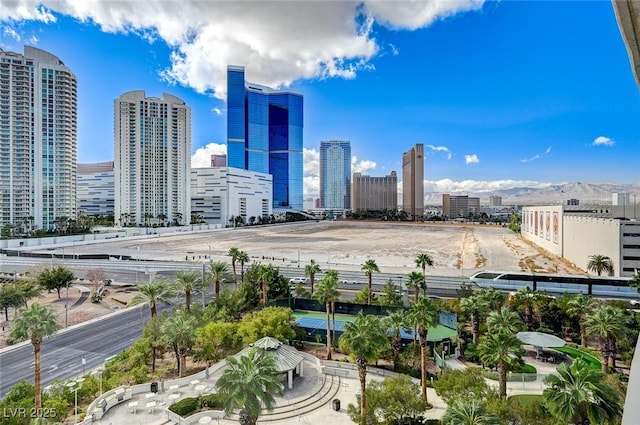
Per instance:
x=66, y=308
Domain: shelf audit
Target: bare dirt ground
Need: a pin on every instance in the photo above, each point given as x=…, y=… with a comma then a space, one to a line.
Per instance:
x=456, y=249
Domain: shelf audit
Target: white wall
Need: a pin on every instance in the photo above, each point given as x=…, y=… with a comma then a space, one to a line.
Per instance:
x=586, y=236
x=543, y=225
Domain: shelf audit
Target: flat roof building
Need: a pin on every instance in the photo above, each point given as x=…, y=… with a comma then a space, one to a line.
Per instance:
x=96, y=189
x=459, y=206
x=335, y=174
x=375, y=193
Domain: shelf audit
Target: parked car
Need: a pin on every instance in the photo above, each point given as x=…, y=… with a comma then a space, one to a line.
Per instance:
x=350, y=282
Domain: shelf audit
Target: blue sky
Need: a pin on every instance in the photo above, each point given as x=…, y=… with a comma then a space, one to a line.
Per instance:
x=502, y=94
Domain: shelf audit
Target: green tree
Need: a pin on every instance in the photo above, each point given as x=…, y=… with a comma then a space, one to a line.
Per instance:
x=242, y=258
x=475, y=307
x=608, y=323
x=395, y=323
x=423, y=260
x=493, y=297
x=422, y=316
x=179, y=331
x=501, y=349
x=389, y=296
x=468, y=412
x=233, y=253
x=468, y=384
x=35, y=323
x=415, y=281
x=215, y=341
x=369, y=267
x=504, y=320
x=276, y=322
x=526, y=299
x=635, y=281
x=580, y=307
x=327, y=293
x=600, y=264
x=310, y=270
x=266, y=273
x=248, y=384
x=395, y=400
x=152, y=337
x=218, y=272
x=578, y=395
x=56, y=278
x=152, y=293
x=364, y=339
x=187, y=281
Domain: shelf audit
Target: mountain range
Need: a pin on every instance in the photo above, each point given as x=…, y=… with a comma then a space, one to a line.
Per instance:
x=585, y=192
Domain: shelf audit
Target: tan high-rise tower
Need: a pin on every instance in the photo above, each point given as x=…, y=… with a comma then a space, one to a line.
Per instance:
x=413, y=181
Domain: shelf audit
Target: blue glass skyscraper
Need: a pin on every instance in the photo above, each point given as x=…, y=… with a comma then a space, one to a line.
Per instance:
x=264, y=134
x=335, y=174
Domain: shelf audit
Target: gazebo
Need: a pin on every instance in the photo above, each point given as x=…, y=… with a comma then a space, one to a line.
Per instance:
x=287, y=358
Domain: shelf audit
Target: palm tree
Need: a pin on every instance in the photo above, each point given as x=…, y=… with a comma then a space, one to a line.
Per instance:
x=581, y=306
x=266, y=273
x=416, y=281
x=243, y=258
x=35, y=323
x=327, y=293
x=364, y=339
x=368, y=268
x=499, y=349
x=310, y=270
x=468, y=412
x=600, y=264
x=233, y=253
x=396, y=322
x=423, y=260
x=153, y=292
x=476, y=307
x=579, y=395
x=504, y=320
x=493, y=297
x=247, y=384
x=218, y=272
x=635, y=281
x=422, y=316
x=180, y=332
x=608, y=323
x=187, y=281
x=527, y=297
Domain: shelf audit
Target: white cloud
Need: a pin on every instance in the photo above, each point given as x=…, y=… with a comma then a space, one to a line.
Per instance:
x=278, y=42
x=311, y=187
x=471, y=159
x=533, y=158
x=479, y=186
x=202, y=156
x=440, y=149
x=311, y=162
x=217, y=111
x=548, y=151
x=603, y=141
x=361, y=166
x=10, y=32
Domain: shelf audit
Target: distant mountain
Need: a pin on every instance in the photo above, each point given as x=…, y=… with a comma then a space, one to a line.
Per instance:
x=585, y=192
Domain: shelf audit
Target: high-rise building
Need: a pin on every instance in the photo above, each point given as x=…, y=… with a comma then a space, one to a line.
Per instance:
x=152, y=159
x=459, y=206
x=96, y=189
x=218, y=160
x=264, y=134
x=375, y=193
x=38, y=139
x=495, y=201
x=335, y=174
x=413, y=181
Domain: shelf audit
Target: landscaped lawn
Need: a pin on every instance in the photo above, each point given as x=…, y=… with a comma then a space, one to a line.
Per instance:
x=576, y=354
x=526, y=399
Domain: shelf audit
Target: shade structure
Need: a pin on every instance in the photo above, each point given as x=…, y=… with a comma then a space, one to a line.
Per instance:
x=287, y=357
x=540, y=339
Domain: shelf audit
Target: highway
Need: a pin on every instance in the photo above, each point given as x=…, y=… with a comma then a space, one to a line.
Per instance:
x=109, y=335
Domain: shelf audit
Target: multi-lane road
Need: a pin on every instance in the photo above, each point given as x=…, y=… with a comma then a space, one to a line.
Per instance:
x=63, y=354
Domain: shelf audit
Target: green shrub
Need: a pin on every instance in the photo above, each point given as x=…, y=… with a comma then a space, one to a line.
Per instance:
x=211, y=401
x=184, y=406
x=471, y=353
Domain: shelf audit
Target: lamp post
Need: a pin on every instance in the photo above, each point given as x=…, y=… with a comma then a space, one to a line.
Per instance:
x=99, y=372
x=75, y=386
x=66, y=308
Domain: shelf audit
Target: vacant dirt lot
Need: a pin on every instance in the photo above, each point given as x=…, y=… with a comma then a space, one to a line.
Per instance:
x=455, y=249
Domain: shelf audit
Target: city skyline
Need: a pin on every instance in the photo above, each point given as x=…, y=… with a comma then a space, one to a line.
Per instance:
x=498, y=99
